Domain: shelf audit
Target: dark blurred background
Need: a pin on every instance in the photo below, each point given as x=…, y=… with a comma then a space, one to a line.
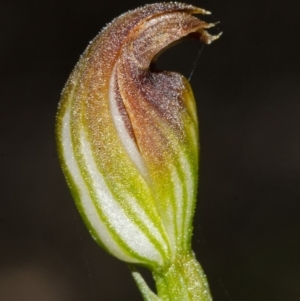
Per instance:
x=247, y=86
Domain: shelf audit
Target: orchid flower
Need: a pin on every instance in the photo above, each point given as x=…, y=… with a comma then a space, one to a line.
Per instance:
x=128, y=144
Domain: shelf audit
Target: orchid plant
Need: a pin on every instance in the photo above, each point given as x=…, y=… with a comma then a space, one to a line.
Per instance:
x=128, y=144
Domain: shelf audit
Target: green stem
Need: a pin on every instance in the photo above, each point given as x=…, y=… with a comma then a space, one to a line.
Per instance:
x=183, y=280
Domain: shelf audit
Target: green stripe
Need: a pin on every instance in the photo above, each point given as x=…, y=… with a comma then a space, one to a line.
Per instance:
x=71, y=183
x=114, y=235
x=180, y=174
x=134, y=217
x=75, y=191
x=118, y=239
x=132, y=185
x=183, y=179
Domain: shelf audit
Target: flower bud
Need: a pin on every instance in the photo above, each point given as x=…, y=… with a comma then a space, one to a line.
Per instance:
x=128, y=137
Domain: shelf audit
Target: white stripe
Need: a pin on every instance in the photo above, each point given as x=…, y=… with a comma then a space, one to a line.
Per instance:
x=168, y=219
x=127, y=142
x=87, y=204
x=123, y=225
x=190, y=188
x=179, y=200
x=140, y=211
